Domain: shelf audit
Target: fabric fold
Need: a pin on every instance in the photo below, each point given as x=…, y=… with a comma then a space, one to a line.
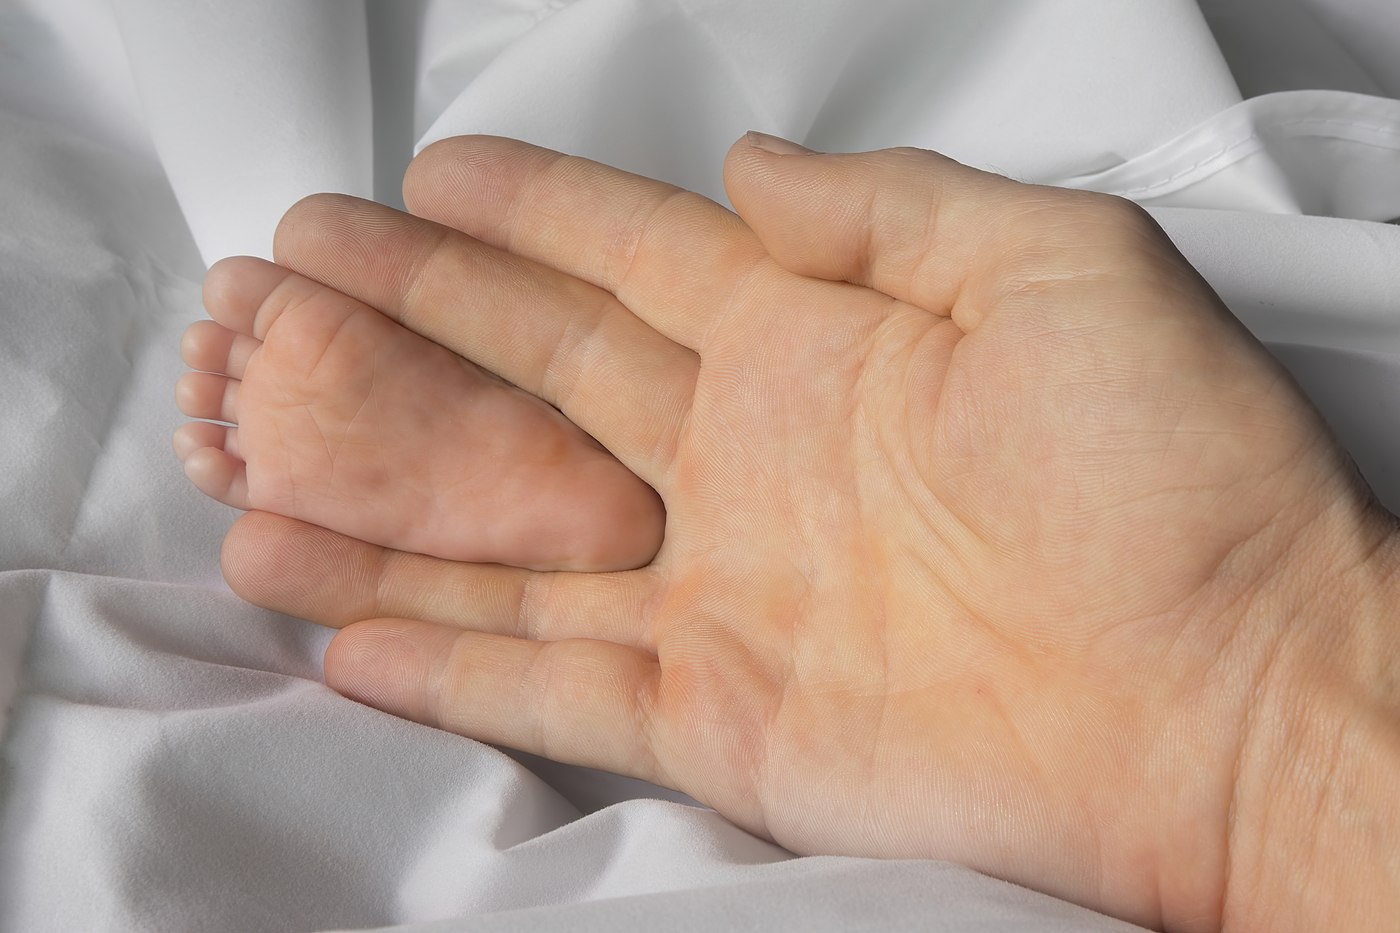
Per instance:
x=1329, y=153
x=252, y=106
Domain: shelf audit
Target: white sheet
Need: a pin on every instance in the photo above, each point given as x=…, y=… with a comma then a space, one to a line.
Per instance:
x=172, y=760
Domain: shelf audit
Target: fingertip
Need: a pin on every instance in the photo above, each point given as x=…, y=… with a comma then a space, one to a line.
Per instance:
x=390, y=664
x=302, y=569
x=486, y=169
x=774, y=145
x=249, y=553
x=317, y=221
x=423, y=163
x=757, y=165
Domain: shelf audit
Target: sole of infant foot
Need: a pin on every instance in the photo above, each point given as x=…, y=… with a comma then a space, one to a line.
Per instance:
x=343, y=418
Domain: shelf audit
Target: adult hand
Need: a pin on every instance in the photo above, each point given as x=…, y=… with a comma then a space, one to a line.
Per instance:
x=992, y=536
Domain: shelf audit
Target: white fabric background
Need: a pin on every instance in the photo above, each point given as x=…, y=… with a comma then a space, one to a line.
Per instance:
x=171, y=759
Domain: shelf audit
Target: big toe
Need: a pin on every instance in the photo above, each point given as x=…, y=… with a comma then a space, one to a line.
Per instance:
x=236, y=290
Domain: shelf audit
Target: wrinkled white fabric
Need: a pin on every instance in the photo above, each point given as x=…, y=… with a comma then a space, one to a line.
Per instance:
x=171, y=758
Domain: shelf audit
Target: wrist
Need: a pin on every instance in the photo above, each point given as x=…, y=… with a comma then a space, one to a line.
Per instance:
x=1315, y=818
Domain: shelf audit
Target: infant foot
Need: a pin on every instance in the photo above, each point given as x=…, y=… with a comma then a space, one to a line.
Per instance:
x=347, y=420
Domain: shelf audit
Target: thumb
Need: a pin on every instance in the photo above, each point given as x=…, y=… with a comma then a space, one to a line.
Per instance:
x=911, y=223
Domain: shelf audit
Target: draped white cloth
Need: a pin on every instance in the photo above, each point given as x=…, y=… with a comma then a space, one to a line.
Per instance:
x=171, y=758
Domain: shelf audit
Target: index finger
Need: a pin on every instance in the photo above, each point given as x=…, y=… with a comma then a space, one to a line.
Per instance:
x=672, y=256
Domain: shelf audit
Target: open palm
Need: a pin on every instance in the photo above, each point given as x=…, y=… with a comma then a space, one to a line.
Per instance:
x=975, y=494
